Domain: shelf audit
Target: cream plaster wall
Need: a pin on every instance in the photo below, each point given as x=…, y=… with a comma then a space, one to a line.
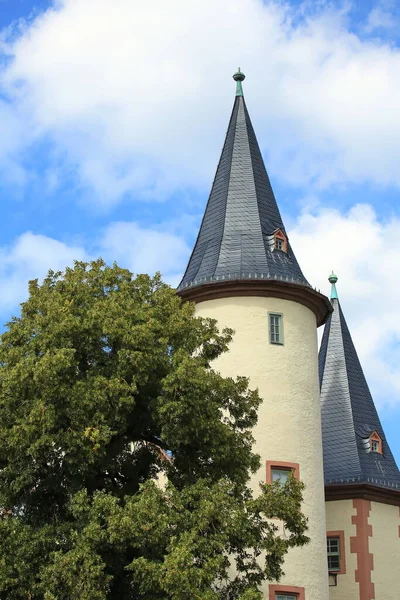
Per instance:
x=289, y=424
x=338, y=518
x=385, y=546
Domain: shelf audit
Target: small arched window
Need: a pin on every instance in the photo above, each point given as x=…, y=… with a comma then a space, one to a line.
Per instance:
x=280, y=240
x=375, y=442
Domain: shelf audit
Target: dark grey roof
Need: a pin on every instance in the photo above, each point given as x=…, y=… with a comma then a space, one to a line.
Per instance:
x=349, y=415
x=236, y=235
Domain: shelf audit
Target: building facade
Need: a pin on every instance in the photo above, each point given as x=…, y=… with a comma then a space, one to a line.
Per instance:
x=244, y=273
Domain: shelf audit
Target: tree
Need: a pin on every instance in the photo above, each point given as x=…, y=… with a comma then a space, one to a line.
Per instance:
x=124, y=457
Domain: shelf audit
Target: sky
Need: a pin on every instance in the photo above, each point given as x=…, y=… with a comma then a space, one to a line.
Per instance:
x=113, y=115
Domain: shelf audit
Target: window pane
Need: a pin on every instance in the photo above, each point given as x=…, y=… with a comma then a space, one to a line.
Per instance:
x=285, y=597
x=334, y=563
x=280, y=475
x=333, y=544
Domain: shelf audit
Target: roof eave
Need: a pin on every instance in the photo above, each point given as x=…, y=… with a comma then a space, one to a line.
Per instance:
x=315, y=301
x=363, y=491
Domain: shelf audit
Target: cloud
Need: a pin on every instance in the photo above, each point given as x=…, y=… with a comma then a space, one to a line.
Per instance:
x=143, y=250
x=146, y=250
x=365, y=254
x=30, y=257
x=379, y=18
x=135, y=94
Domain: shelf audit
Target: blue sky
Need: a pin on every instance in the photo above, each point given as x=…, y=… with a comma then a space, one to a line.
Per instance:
x=112, y=118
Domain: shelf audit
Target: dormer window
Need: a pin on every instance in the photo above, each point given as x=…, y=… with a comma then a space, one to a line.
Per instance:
x=375, y=443
x=280, y=241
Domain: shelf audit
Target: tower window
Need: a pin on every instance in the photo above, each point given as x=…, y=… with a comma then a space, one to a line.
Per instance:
x=333, y=548
x=280, y=240
x=280, y=471
x=286, y=592
x=276, y=328
x=375, y=443
x=280, y=475
x=335, y=552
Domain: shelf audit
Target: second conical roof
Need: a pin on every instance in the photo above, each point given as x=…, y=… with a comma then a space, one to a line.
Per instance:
x=349, y=416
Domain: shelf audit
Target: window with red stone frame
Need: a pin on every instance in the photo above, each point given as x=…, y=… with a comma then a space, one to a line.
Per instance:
x=339, y=535
x=280, y=241
x=290, y=591
x=275, y=465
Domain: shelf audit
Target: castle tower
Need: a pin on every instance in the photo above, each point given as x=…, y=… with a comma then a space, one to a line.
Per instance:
x=243, y=272
x=362, y=481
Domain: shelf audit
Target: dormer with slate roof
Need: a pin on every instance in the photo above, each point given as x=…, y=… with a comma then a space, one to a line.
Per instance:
x=357, y=456
x=242, y=247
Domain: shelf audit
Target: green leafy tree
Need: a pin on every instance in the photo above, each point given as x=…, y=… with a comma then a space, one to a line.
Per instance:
x=124, y=457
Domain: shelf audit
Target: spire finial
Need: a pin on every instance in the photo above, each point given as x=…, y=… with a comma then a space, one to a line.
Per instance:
x=239, y=77
x=333, y=279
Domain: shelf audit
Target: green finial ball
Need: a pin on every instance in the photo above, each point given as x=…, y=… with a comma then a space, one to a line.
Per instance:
x=332, y=278
x=239, y=76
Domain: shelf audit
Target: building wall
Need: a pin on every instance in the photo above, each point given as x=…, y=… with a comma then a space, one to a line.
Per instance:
x=289, y=424
x=372, y=549
x=339, y=515
x=384, y=545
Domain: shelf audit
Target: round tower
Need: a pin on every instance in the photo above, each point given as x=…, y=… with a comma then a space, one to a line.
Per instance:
x=243, y=272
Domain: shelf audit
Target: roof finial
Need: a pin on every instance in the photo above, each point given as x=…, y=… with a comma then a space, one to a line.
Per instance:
x=333, y=279
x=239, y=77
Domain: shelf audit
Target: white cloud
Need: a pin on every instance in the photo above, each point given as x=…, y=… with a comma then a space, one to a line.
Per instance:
x=146, y=250
x=379, y=18
x=143, y=250
x=365, y=254
x=136, y=93
x=30, y=257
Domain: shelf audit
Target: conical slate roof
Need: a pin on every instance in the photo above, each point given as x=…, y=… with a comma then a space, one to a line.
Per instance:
x=236, y=238
x=349, y=416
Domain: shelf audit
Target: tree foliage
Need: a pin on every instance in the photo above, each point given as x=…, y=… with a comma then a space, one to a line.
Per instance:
x=124, y=457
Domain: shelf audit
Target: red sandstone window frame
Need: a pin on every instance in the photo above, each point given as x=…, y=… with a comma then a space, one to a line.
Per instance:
x=375, y=437
x=279, y=235
x=298, y=592
x=285, y=466
x=342, y=551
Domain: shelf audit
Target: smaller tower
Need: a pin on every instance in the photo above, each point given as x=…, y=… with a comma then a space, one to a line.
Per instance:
x=362, y=481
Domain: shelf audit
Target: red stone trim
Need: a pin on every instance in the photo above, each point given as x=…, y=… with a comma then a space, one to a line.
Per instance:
x=340, y=535
x=274, y=590
x=315, y=301
x=278, y=464
x=359, y=544
x=345, y=491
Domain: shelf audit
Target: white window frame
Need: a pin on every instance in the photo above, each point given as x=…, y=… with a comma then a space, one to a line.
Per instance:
x=271, y=328
x=375, y=446
x=338, y=553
